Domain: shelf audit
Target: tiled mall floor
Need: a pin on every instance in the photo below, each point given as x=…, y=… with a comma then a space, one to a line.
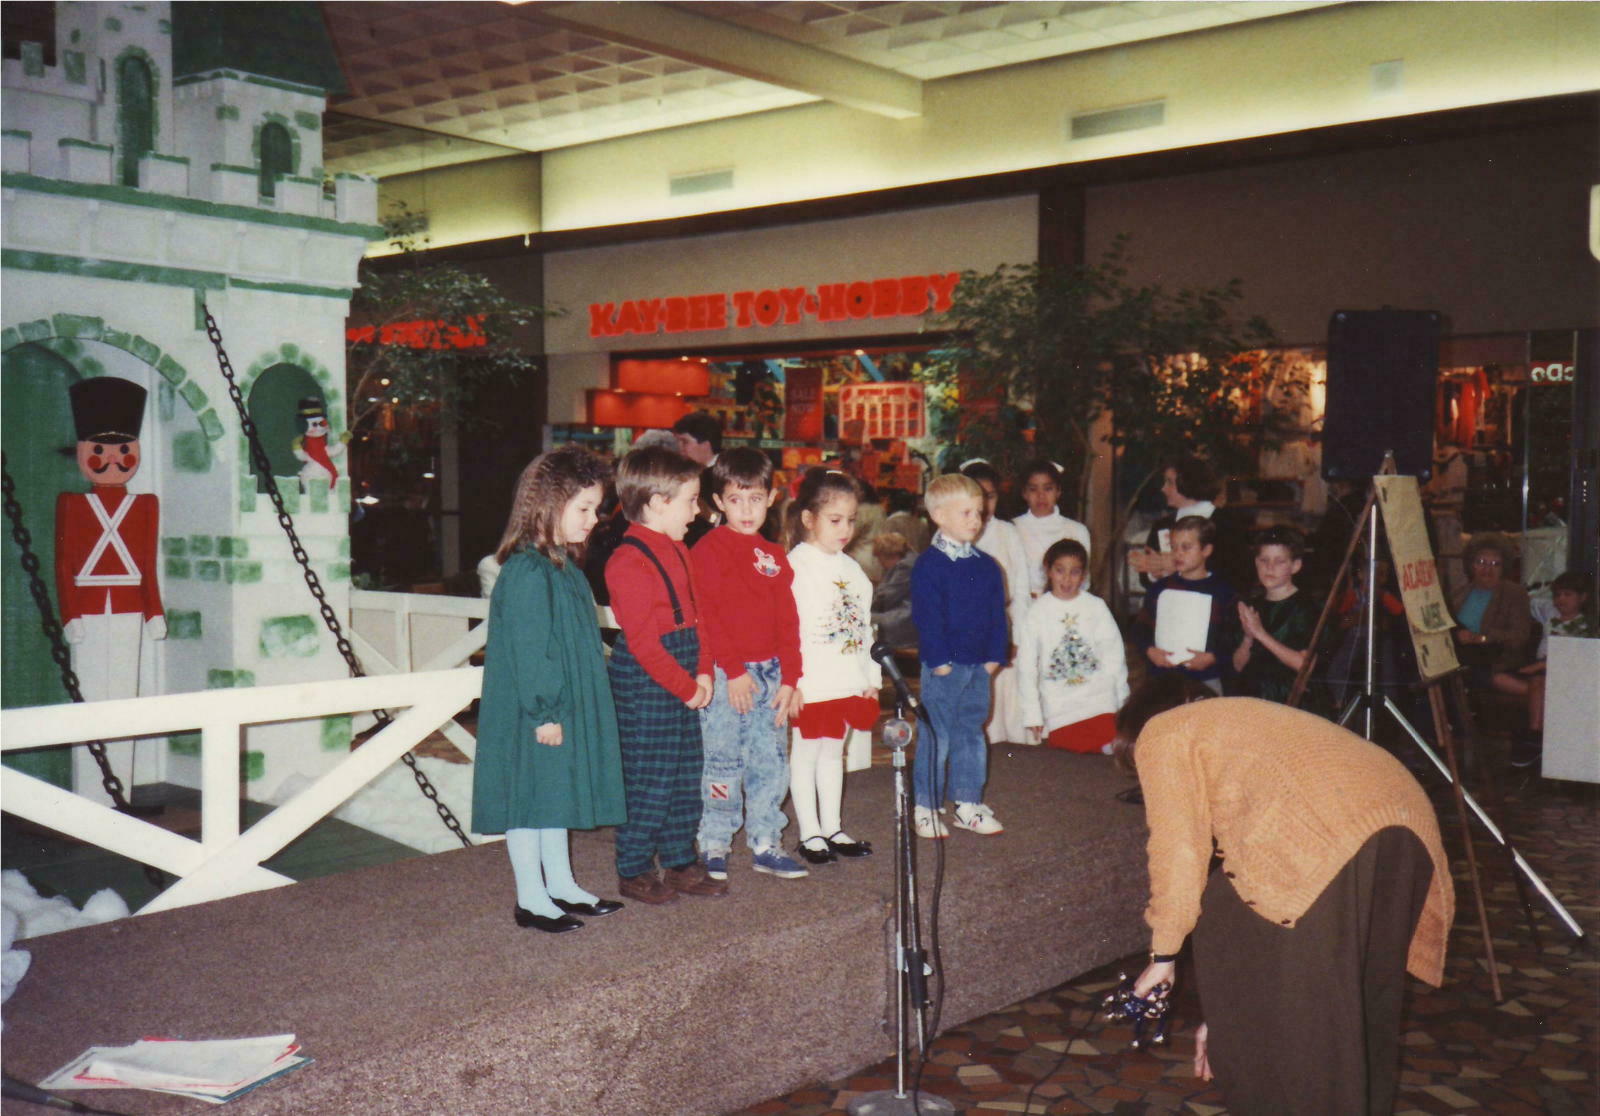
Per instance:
x=1537, y=1052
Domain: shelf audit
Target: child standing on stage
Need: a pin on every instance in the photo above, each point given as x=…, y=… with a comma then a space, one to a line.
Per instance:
x=1193, y=540
x=839, y=682
x=958, y=600
x=1071, y=666
x=548, y=756
x=1277, y=622
x=751, y=621
x=1002, y=541
x=1043, y=523
x=660, y=677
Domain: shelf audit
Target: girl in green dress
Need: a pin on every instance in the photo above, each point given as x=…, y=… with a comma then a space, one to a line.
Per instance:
x=548, y=755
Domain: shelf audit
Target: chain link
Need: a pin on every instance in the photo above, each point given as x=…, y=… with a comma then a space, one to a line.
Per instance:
x=263, y=465
x=52, y=629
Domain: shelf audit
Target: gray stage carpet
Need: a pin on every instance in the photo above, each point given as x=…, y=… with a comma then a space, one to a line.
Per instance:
x=414, y=992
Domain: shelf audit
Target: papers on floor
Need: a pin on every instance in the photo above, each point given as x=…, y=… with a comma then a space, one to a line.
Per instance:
x=214, y=1070
x=1183, y=618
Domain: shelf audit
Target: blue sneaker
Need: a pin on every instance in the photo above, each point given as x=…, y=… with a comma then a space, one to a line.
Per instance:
x=717, y=866
x=774, y=862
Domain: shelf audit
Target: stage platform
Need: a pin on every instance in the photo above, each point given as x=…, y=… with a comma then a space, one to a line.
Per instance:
x=415, y=993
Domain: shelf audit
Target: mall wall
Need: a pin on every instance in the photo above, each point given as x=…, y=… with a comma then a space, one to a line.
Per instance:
x=1492, y=231
x=1272, y=76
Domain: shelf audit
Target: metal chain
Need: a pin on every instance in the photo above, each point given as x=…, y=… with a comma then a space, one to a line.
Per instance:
x=263, y=465
x=52, y=629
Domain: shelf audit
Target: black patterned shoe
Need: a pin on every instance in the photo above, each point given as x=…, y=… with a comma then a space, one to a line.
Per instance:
x=848, y=847
x=558, y=925
x=824, y=855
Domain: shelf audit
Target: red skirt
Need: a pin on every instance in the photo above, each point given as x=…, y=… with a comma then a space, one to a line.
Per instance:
x=829, y=720
x=1085, y=736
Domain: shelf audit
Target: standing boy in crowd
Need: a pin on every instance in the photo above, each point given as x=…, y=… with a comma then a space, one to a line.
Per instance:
x=750, y=620
x=660, y=677
x=1193, y=539
x=1277, y=622
x=958, y=602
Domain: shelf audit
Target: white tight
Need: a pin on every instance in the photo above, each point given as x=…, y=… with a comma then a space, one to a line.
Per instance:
x=816, y=783
x=542, y=867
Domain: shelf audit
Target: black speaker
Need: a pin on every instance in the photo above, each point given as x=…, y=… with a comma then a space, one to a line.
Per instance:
x=1382, y=369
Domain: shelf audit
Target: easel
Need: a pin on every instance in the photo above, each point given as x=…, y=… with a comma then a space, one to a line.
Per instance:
x=1439, y=669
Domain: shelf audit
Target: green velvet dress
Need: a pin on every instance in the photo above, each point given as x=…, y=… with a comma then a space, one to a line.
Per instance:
x=544, y=663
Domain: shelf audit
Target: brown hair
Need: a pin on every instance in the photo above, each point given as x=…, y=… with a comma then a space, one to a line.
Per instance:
x=545, y=488
x=890, y=544
x=1490, y=541
x=1204, y=529
x=818, y=488
x=1156, y=694
x=742, y=467
x=651, y=471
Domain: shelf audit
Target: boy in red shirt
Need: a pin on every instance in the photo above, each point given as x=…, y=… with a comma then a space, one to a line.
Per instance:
x=660, y=673
x=751, y=621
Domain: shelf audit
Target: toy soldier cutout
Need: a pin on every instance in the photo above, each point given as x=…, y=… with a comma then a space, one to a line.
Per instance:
x=107, y=542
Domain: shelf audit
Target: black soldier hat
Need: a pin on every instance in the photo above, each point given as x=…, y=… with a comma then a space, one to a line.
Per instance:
x=312, y=407
x=107, y=409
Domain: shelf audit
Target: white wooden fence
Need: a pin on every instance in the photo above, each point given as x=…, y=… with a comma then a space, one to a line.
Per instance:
x=225, y=860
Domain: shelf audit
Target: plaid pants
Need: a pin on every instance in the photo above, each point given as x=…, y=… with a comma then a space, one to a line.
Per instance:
x=662, y=760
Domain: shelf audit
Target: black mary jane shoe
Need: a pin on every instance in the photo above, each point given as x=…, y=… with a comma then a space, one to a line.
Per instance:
x=589, y=910
x=559, y=925
x=849, y=848
x=824, y=855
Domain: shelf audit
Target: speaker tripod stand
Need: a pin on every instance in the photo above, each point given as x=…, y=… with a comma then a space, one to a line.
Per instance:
x=1369, y=704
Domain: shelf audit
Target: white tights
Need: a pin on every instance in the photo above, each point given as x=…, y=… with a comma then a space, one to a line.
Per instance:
x=816, y=783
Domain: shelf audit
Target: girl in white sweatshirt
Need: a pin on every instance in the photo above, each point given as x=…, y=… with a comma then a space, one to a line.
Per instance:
x=1072, y=669
x=839, y=681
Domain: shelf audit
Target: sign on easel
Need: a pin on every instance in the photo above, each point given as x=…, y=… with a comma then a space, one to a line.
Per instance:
x=1427, y=613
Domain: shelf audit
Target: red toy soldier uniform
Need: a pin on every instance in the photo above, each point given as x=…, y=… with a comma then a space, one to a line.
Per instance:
x=107, y=543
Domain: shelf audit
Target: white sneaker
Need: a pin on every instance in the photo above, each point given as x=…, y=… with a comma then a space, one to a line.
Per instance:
x=928, y=824
x=978, y=818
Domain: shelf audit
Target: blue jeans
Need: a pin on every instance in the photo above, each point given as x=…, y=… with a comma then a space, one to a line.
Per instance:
x=747, y=766
x=958, y=705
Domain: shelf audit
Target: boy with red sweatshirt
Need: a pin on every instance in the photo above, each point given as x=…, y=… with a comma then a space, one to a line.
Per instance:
x=750, y=620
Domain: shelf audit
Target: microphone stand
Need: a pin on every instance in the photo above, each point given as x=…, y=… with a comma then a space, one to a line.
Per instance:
x=910, y=960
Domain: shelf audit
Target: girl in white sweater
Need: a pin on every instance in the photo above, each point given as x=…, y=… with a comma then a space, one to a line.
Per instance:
x=1072, y=669
x=839, y=681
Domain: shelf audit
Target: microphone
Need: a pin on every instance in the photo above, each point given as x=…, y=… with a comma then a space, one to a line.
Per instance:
x=885, y=658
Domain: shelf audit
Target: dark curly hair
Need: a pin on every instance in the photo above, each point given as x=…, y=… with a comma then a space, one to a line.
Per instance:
x=545, y=488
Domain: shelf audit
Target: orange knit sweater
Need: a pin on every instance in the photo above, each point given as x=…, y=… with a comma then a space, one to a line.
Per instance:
x=1289, y=798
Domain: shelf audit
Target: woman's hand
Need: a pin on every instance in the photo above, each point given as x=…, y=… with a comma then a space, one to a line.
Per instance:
x=1202, y=1060
x=548, y=733
x=1155, y=974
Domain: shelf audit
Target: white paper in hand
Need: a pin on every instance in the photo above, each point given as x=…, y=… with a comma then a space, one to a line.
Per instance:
x=1183, y=619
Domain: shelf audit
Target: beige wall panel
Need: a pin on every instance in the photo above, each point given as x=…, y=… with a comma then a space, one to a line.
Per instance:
x=1277, y=75
x=1490, y=231
x=468, y=202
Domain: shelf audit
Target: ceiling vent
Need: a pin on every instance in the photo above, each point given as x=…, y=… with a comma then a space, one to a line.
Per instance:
x=702, y=182
x=1128, y=118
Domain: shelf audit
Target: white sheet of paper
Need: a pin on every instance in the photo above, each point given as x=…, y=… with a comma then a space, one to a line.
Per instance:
x=1183, y=620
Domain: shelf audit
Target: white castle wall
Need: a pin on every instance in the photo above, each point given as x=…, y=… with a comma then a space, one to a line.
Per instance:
x=111, y=278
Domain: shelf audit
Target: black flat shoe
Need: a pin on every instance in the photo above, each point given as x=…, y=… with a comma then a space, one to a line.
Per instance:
x=850, y=848
x=530, y=921
x=816, y=856
x=589, y=910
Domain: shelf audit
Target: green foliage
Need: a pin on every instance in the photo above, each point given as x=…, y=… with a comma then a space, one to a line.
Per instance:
x=1055, y=348
x=398, y=393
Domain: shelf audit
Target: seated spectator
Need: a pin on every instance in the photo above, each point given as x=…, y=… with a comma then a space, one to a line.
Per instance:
x=1493, y=617
x=905, y=518
x=1569, y=596
x=1277, y=620
x=891, y=599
